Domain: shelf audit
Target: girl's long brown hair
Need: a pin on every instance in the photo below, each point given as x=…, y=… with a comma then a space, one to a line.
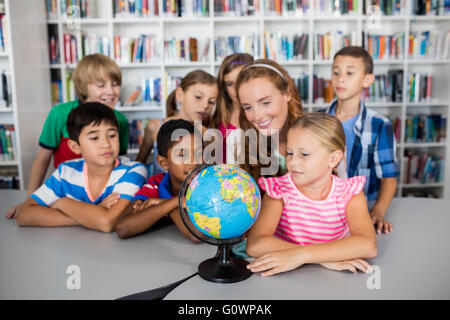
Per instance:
x=223, y=106
x=285, y=85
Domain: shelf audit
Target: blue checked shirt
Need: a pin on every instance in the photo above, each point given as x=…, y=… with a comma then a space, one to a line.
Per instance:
x=373, y=151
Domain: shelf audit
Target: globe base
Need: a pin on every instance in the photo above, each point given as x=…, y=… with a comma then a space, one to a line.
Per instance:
x=224, y=269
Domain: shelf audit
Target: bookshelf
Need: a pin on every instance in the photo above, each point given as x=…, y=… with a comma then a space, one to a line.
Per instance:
x=24, y=57
x=211, y=24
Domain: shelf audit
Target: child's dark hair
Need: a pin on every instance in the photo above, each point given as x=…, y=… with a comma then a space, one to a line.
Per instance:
x=87, y=113
x=357, y=52
x=164, y=139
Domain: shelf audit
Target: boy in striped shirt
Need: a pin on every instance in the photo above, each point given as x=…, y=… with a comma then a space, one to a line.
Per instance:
x=75, y=194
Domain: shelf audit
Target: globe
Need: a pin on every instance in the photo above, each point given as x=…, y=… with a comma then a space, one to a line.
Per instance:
x=218, y=204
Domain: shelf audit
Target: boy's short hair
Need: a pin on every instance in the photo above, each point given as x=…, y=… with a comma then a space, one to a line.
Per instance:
x=87, y=113
x=357, y=52
x=92, y=68
x=164, y=139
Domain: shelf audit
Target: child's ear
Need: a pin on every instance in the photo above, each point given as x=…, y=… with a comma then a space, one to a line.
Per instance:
x=368, y=80
x=335, y=158
x=74, y=146
x=179, y=95
x=163, y=162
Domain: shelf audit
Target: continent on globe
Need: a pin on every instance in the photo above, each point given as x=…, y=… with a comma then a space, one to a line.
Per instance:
x=211, y=225
x=238, y=188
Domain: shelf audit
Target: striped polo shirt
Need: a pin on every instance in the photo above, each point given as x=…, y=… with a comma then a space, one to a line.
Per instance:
x=305, y=221
x=70, y=180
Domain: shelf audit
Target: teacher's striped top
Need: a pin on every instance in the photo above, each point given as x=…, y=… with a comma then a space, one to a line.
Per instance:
x=305, y=221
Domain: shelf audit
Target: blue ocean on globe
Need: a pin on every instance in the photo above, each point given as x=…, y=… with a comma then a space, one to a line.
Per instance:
x=223, y=201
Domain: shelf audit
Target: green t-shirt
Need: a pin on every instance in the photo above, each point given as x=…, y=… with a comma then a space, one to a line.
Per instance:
x=54, y=134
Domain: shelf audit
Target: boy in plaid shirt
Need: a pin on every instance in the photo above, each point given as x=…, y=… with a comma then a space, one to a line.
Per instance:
x=370, y=143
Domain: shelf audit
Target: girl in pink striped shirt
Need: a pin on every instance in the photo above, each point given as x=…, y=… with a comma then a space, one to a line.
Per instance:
x=310, y=215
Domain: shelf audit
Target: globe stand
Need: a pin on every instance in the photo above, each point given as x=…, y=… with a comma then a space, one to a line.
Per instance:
x=222, y=268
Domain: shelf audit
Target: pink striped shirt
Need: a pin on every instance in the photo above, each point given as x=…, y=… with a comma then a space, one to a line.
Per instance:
x=305, y=221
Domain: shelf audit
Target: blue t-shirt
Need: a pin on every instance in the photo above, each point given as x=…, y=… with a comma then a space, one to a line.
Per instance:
x=70, y=180
x=349, y=134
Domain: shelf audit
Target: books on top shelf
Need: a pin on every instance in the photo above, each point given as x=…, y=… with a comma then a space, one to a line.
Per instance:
x=51, y=9
x=136, y=50
x=430, y=7
x=79, y=45
x=384, y=47
x=285, y=48
x=5, y=89
x=225, y=46
x=386, y=88
x=420, y=87
x=3, y=34
x=236, y=8
x=78, y=8
x=332, y=7
x=135, y=8
x=423, y=168
x=429, y=44
x=186, y=8
x=7, y=142
x=179, y=50
x=326, y=45
x=425, y=128
x=384, y=7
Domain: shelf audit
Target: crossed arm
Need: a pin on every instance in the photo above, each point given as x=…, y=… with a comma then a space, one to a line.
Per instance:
x=69, y=212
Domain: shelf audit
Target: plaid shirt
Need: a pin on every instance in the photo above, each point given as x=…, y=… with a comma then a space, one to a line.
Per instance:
x=373, y=152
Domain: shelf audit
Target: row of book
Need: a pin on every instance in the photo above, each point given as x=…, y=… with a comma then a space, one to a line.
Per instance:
x=429, y=44
x=148, y=93
x=8, y=181
x=137, y=127
x=5, y=89
x=7, y=142
x=419, y=87
x=53, y=48
x=186, y=8
x=302, y=7
x=396, y=127
x=423, y=168
x=425, y=128
x=79, y=45
x=326, y=45
x=135, y=50
x=384, y=46
x=225, y=46
x=71, y=8
x=135, y=8
x=322, y=90
x=178, y=50
x=430, y=7
x=3, y=34
x=285, y=48
x=302, y=82
x=386, y=88
x=384, y=7
x=236, y=8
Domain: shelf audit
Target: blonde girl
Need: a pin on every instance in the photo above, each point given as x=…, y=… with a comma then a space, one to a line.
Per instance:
x=310, y=215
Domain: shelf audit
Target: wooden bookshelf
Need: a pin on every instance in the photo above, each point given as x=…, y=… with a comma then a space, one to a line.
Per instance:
x=212, y=26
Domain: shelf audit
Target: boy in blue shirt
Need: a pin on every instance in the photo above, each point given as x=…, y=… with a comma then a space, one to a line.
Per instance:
x=158, y=198
x=370, y=143
x=75, y=194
